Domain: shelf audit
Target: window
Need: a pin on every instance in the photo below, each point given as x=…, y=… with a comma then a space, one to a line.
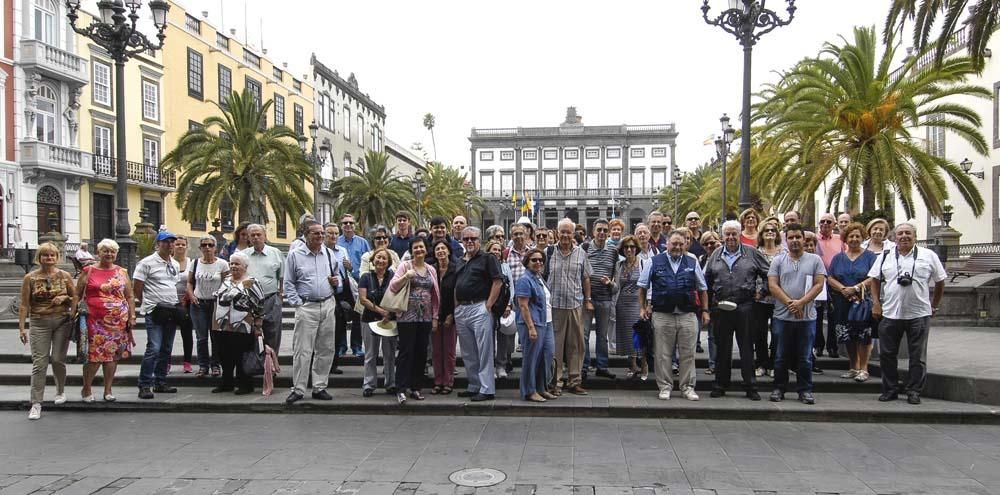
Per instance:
x=196, y=72
x=332, y=122
x=377, y=145
x=192, y=24
x=637, y=152
x=299, y=119
x=347, y=165
x=486, y=183
x=935, y=137
x=277, y=73
x=281, y=225
x=192, y=125
x=321, y=101
x=45, y=115
x=45, y=21
x=530, y=154
x=659, y=178
x=569, y=181
x=593, y=153
x=506, y=155
x=550, y=154
x=225, y=84
x=506, y=183
x=614, y=153
x=347, y=123
x=251, y=58
x=279, y=110
x=221, y=41
x=361, y=131
x=551, y=181
x=659, y=152
x=102, y=83
x=528, y=181
x=296, y=85
x=571, y=154
x=150, y=100
x=255, y=91
x=151, y=161
x=614, y=180
x=593, y=180
x=103, y=164
x=638, y=182
x=486, y=156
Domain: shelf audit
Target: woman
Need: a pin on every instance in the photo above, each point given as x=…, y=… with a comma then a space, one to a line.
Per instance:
x=444, y=339
x=770, y=246
x=371, y=288
x=496, y=233
x=504, y=343
x=617, y=229
x=534, y=327
x=184, y=326
x=749, y=219
x=877, y=230
x=419, y=319
x=47, y=296
x=241, y=241
x=380, y=237
x=207, y=274
x=627, y=308
x=107, y=292
x=642, y=235
x=238, y=321
x=847, y=280
x=710, y=241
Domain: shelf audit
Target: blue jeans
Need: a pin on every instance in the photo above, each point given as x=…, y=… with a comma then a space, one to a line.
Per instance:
x=159, y=345
x=794, y=337
x=536, y=369
x=600, y=320
x=201, y=319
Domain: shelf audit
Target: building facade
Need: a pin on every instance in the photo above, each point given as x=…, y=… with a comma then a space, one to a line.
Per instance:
x=350, y=124
x=402, y=160
x=8, y=167
x=571, y=170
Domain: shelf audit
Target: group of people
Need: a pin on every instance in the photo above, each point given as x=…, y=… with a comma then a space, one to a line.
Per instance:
x=417, y=295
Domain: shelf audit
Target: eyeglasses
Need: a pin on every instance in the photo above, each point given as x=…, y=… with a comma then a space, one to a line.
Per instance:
x=171, y=270
x=825, y=221
x=631, y=246
x=470, y=239
x=347, y=223
x=770, y=230
x=601, y=230
x=380, y=238
x=207, y=245
x=693, y=219
x=498, y=236
x=536, y=260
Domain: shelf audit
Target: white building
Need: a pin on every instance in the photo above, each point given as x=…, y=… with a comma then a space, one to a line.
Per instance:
x=572, y=170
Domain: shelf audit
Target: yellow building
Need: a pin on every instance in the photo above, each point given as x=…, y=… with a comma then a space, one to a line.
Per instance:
x=197, y=67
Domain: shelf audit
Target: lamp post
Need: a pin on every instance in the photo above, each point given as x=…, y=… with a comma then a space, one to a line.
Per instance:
x=316, y=158
x=468, y=209
x=748, y=20
x=676, y=184
x=966, y=165
x=418, y=191
x=722, y=145
x=116, y=32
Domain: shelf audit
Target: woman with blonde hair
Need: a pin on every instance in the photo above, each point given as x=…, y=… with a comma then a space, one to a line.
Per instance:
x=750, y=220
x=47, y=299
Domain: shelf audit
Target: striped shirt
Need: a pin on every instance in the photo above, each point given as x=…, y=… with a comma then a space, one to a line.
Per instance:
x=602, y=261
x=514, y=260
x=566, y=275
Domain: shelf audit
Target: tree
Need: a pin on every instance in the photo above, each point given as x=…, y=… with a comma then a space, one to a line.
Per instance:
x=980, y=23
x=232, y=157
x=372, y=191
x=446, y=192
x=844, y=115
x=429, y=124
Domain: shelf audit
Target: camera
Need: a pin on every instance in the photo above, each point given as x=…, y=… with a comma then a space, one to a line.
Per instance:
x=904, y=279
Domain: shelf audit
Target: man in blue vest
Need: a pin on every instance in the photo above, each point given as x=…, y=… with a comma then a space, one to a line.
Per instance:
x=674, y=278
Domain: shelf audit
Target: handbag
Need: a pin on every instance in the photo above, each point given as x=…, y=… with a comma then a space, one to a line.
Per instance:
x=859, y=314
x=397, y=302
x=252, y=361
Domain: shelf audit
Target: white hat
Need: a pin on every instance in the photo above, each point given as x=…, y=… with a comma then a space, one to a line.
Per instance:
x=384, y=328
x=507, y=326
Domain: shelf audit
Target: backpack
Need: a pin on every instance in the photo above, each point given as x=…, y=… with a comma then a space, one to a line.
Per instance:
x=548, y=257
x=503, y=300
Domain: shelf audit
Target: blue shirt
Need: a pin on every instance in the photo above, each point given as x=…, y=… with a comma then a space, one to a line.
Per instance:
x=306, y=275
x=530, y=285
x=730, y=258
x=356, y=247
x=400, y=244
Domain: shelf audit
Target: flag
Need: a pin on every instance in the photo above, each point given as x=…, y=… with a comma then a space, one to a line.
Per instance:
x=513, y=198
x=710, y=140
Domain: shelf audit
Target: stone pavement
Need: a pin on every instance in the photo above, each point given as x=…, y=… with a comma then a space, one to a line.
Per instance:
x=125, y=454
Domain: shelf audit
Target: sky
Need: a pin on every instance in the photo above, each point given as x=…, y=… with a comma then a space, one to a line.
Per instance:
x=521, y=63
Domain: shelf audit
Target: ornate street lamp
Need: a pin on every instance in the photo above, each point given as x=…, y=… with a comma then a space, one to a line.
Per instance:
x=316, y=159
x=116, y=32
x=748, y=20
x=722, y=145
x=966, y=165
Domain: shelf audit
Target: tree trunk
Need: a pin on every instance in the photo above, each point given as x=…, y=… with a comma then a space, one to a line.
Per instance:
x=808, y=213
x=867, y=198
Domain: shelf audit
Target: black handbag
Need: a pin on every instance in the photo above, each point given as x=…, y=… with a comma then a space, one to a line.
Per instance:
x=165, y=314
x=859, y=314
x=252, y=361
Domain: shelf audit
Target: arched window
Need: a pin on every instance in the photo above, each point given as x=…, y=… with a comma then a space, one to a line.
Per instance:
x=45, y=21
x=45, y=116
x=49, y=209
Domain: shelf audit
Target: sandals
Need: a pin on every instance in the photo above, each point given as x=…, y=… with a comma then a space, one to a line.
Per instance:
x=436, y=390
x=446, y=390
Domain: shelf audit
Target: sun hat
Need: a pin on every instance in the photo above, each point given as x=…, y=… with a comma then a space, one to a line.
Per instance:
x=384, y=328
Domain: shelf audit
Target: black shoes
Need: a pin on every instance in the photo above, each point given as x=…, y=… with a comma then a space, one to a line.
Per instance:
x=336, y=371
x=145, y=393
x=699, y=349
x=753, y=395
x=222, y=388
x=243, y=391
x=466, y=393
x=889, y=396
x=817, y=370
x=913, y=398
x=807, y=398
x=367, y=392
x=293, y=398
x=716, y=393
x=482, y=397
x=777, y=396
x=165, y=389
x=605, y=373
x=322, y=395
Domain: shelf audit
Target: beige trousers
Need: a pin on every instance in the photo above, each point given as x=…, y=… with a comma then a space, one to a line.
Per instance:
x=568, y=329
x=49, y=339
x=669, y=330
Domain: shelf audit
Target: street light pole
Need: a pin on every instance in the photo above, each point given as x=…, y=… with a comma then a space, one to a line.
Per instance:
x=316, y=159
x=748, y=20
x=116, y=32
x=722, y=145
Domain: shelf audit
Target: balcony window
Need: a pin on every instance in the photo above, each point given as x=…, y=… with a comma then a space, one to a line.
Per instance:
x=221, y=41
x=45, y=115
x=192, y=24
x=150, y=100
x=528, y=181
x=45, y=21
x=570, y=180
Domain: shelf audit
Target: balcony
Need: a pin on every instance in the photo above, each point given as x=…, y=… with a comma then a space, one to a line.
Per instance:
x=138, y=174
x=597, y=193
x=593, y=130
x=44, y=159
x=53, y=62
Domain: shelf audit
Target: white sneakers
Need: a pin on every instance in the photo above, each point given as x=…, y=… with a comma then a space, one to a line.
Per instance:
x=60, y=399
x=690, y=394
x=664, y=395
x=35, y=412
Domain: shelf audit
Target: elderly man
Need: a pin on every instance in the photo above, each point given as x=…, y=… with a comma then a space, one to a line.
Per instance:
x=400, y=242
x=693, y=222
x=458, y=225
x=83, y=255
x=900, y=282
x=843, y=220
x=672, y=280
x=312, y=276
x=155, y=288
x=568, y=273
x=795, y=279
x=603, y=260
x=828, y=245
x=356, y=247
x=477, y=287
x=732, y=273
x=266, y=265
x=657, y=224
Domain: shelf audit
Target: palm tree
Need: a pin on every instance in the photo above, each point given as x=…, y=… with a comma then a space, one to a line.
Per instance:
x=373, y=191
x=446, y=192
x=981, y=22
x=429, y=124
x=843, y=115
x=230, y=157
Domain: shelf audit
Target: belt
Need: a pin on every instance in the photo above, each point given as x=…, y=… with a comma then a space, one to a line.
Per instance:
x=306, y=299
x=471, y=301
x=269, y=296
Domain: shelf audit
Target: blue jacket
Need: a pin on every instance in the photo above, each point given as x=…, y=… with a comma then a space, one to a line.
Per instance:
x=530, y=286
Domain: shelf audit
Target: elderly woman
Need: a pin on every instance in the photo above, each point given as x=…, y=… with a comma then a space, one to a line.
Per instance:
x=47, y=296
x=848, y=277
x=381, y=237
x=504, y=343
x=877, y=231
x=749, y=219
x=238, y=321
x=534, y=326
x=444, y=339
x=616, y=228
x=627, y=306
x=418, y=321
x=184, y=326
x=107, y=292
x=206, y=275
x=496, y=233
x=371, y=288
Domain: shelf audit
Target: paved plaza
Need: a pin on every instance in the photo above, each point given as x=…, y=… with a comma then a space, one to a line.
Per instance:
x=78, y=453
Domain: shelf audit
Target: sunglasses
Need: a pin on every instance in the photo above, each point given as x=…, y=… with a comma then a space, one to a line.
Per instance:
x=601, y=230
x=825, y=221
x=347, y=223
x=536, y=260
x=470, y=239
x=668, y=223
x=207, y=245
x=380, y=238
x=770, y=230
x=631, y=246
x=693, y=219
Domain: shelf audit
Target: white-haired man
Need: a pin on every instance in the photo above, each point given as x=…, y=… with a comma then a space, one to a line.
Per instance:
x=266, y=266
x=568, y=275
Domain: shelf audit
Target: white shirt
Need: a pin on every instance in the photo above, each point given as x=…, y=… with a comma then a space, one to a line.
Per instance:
x=159, y=278
x=82, y=255
x=907, y=303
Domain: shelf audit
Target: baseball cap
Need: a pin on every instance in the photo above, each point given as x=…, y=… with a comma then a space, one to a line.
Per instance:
x=165, y=236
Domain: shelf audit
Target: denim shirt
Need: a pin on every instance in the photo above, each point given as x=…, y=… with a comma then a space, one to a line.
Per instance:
x=530, y=286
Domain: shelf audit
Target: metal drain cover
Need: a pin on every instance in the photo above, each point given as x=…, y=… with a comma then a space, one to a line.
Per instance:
x=477, y=477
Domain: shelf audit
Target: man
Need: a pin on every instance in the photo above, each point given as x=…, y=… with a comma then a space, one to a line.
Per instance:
x=542, y=238
x=477, y=287
x=300, y=240
x=603, y=260
x=155, y=287
x=657, y=223
x=458, y=225
x=400, y=242
x=693, y=223
x=732, y=273
x=356, y=246
x=521, y=242
x=900, y=281
x=790, y=217
x=795, y=279
x=843, y=220
x=266, y=265
x=311, y=277
x=672, y=281
x=343, y=293
x=568, y=276
x=439, y=231
x=828, y=245
x=83, y=255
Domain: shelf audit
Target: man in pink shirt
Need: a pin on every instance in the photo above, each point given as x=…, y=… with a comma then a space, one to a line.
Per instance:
x=828, y=244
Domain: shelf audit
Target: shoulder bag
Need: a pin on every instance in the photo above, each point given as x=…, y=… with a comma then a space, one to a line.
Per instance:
x=860, y=312
x=252, y=361
x=397, y=302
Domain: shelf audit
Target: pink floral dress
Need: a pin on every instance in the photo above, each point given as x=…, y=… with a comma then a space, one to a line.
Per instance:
x=107, y=339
